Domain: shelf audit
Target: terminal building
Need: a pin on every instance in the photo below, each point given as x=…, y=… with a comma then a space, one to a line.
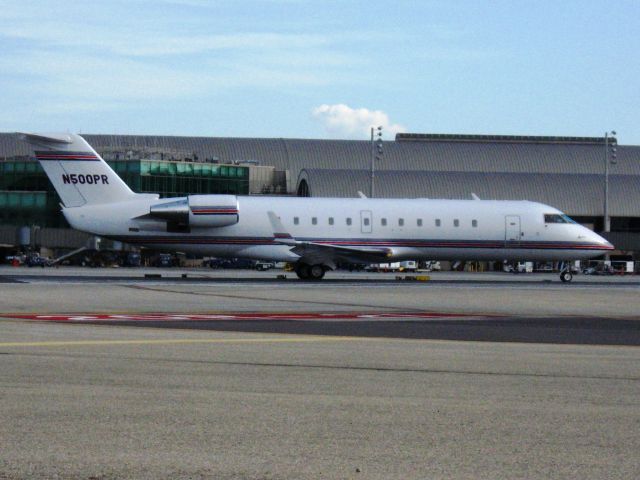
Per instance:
x=566, y=172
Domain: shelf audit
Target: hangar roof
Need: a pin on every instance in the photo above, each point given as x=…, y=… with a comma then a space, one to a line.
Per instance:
x=410, y=152
x=436, y=155
x=577, y=194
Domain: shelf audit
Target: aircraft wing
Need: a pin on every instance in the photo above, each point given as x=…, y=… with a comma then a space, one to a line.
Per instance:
x=326, y=253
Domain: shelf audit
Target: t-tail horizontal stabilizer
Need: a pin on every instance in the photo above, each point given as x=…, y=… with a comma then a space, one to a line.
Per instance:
x=79, y=175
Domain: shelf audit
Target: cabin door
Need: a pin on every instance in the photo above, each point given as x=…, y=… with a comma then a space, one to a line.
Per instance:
x=512, y=228
x=365, y=221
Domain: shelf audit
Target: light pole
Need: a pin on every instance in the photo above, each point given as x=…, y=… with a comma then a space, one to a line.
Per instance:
x=610, y=154
x=376, y=153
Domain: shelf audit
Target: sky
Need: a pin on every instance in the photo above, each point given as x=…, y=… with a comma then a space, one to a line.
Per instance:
x=321, y=69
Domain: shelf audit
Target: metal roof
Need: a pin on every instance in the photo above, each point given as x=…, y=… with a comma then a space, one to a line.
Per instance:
x=430, y=137
x=295, y=154
x=554, y=155
x=576, y=194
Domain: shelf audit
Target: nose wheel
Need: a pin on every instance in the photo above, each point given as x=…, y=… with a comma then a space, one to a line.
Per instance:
x=566, y=276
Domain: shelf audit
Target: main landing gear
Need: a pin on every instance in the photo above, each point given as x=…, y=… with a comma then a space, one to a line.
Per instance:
x=310, y=272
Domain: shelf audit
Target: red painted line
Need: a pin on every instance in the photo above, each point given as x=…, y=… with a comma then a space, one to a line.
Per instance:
x=172, y=317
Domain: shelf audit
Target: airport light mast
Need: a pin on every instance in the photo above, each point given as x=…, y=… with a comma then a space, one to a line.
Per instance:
x=376, y=154
x=610, y=155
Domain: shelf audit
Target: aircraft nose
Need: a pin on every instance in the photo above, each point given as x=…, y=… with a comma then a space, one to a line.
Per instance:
x=606, y=245
x=598, y=242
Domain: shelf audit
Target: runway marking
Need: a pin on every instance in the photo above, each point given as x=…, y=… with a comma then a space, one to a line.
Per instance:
x=181, y=341
x=279, y=316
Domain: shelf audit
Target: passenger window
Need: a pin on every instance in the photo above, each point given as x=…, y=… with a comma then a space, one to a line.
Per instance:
x=314, y=220
x=383, y=222
x=330, y=220
x=419, y=222
x=456, y=222
x=401, y=222
x=348, y=221
x=474, y=223
x=438, y=223
x=366, y=222
x=296, y=220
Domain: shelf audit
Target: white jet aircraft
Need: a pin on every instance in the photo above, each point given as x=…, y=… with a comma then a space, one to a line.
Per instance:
x=314, y=233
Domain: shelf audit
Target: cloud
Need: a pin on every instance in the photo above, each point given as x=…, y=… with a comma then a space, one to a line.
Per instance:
x=157, y=43
x=342, y=120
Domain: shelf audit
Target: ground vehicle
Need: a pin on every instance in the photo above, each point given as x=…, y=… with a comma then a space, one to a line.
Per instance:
x=35, y=260
x=408, y=266
x=432, y=266
x=229, y=263
x=164, y=260
x=384, y=267
x=601, y=270
x=131, y=259
x=263, y=266
x=15, y=260
x=519, y=267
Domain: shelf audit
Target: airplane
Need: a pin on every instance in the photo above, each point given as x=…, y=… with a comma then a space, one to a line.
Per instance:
x=313, y=233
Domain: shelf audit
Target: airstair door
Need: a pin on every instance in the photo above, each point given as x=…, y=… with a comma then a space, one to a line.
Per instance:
x=512, y=229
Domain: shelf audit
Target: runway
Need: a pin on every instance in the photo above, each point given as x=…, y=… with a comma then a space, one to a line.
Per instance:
x=278, y=277
x=358, y=378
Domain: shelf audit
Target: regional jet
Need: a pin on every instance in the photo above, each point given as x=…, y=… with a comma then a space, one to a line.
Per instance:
x=313, y=233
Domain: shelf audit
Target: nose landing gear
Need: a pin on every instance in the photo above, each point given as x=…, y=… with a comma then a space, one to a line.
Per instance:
x=566, y=276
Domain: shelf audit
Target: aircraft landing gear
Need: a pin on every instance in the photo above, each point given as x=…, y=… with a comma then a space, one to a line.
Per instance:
x=302, y=270
x=316, y=272
x=566, y=276
x=310, y=272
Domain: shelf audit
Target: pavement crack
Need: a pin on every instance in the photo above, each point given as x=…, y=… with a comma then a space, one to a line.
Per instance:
x=378, y=369
x=272, y=299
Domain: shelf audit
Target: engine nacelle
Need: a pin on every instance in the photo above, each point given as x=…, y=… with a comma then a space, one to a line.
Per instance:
x=213, y=210
x=199, y=211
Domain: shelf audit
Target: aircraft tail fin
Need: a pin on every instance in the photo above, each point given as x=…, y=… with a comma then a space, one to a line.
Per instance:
x=77, y=172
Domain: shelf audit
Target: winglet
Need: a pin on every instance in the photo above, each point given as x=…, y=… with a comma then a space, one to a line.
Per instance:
x=361, y=195
x=474, y=196
x=280, y=234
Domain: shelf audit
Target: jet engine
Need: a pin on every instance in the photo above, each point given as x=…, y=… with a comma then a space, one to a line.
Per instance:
x=199, y=211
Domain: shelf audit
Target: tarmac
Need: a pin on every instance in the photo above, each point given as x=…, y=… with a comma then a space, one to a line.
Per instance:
x=108, y=374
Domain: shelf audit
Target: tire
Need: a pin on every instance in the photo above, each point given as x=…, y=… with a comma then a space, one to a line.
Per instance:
x=566, y=276
x=316, y=272
x=302, y=270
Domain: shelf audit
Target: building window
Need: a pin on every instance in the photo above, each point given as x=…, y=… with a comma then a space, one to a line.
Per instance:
x=296, y=220
x=330, y=220
x=474, y=223
x=401, y=222
x=438, y=222
x=456, y=222
x=348, y=221
x=419, y=222
x=383, y=222
x=314, y=220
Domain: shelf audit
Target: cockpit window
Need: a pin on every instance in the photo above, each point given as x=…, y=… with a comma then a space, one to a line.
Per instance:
x=557, y=218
